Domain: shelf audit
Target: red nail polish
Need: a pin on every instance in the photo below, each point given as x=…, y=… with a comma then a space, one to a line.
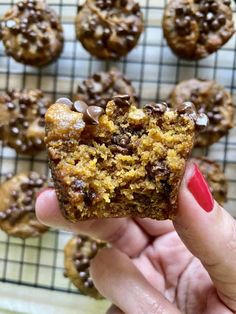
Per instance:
x=199, y=188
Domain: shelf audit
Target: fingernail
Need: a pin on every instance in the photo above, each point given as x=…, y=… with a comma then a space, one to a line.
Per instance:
x=199, y=188
x=42, y=191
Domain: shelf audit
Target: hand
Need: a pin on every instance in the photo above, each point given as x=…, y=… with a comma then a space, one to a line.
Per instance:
x=188, y=266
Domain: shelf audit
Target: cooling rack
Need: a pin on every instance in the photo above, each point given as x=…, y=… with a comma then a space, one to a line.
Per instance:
x=154, y=71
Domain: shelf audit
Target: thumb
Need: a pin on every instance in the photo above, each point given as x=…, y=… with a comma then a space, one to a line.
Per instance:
x=209, y=232
x=117, y=278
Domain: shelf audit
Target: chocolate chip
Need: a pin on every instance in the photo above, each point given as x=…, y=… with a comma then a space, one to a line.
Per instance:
x=89, y=197
x=27, y=201
x=89, y=283
x=154, y=108
x=122, y=140
x=15, y=131
x=92, y=114
x=10, y=106
x=215, y=25
x=65, y=101
x=80, y=106
x=78, y=185
x=222, y=19
x=202, y=121
x=83, y=275
x=186, y=107
x=122, y=100
x=210, y=17
x=214, y=7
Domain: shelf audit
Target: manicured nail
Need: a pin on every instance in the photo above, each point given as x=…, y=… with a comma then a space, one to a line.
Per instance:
x=199, y=188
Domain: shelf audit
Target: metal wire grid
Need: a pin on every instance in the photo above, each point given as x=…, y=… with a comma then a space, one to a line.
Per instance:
x=154, y=71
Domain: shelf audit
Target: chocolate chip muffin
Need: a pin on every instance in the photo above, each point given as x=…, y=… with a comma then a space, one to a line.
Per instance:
x=22, y=120
x=78, y=253
x=215, y=177
x=32, y=33
x=121, y=162
x=17, y=211
x=101, y=87
x=209, y=98
x=196, y=28
x=109, y=29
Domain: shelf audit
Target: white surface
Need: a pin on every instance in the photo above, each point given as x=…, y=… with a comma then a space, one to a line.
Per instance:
x=24, y=300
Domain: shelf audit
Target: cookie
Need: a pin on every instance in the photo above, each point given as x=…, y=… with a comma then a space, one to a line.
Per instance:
x=109, y=29
x=32, y=33
x=17, y=211
x=196, y=28
x=101, y=87
x=22, y=120
x=121, y=162
x=209, y=98
x=78, y=253
x=215, y=177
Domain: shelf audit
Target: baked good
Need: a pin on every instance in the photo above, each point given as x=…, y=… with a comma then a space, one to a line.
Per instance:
x=78, y=253
x=98, y=89
x=212, y=99
x=109, y=29
x=120, y=162
x=22, y=120
x=17, y=212
x=215, y=177
x=32, y=33
x=196, y=28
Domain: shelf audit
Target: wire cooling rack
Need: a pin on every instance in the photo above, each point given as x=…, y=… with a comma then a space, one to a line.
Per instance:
x=154, y=71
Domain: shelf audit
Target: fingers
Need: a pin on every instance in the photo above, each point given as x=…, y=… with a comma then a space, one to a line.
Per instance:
x=125, y=286
x=209, y=232
x=155, y=228
x=122, y=233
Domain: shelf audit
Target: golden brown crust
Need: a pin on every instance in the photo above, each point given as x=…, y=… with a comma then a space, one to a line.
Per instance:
x=109, y=30
x=17, y=212
x=32, y=33
x=129, y=164
x=195, y=29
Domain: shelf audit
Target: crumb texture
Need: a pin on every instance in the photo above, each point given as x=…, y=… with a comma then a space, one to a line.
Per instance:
x=130, y=164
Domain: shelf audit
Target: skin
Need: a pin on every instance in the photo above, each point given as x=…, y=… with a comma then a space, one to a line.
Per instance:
x=185, y=266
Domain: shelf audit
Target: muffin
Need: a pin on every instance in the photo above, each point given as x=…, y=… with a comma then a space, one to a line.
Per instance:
x=109, y=29
x=32, y=33
x=209, y=98
x=121, y=161
x=195, y=29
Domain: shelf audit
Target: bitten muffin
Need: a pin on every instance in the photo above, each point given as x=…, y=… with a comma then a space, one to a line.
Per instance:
x=215, y=177
x=17, y=211
x=22, y=120
x=209, y=98
x=78, y=253
x=196, y=28
x=101, y=87
x=109, y=29
x=122, y=162
x=32, y=33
